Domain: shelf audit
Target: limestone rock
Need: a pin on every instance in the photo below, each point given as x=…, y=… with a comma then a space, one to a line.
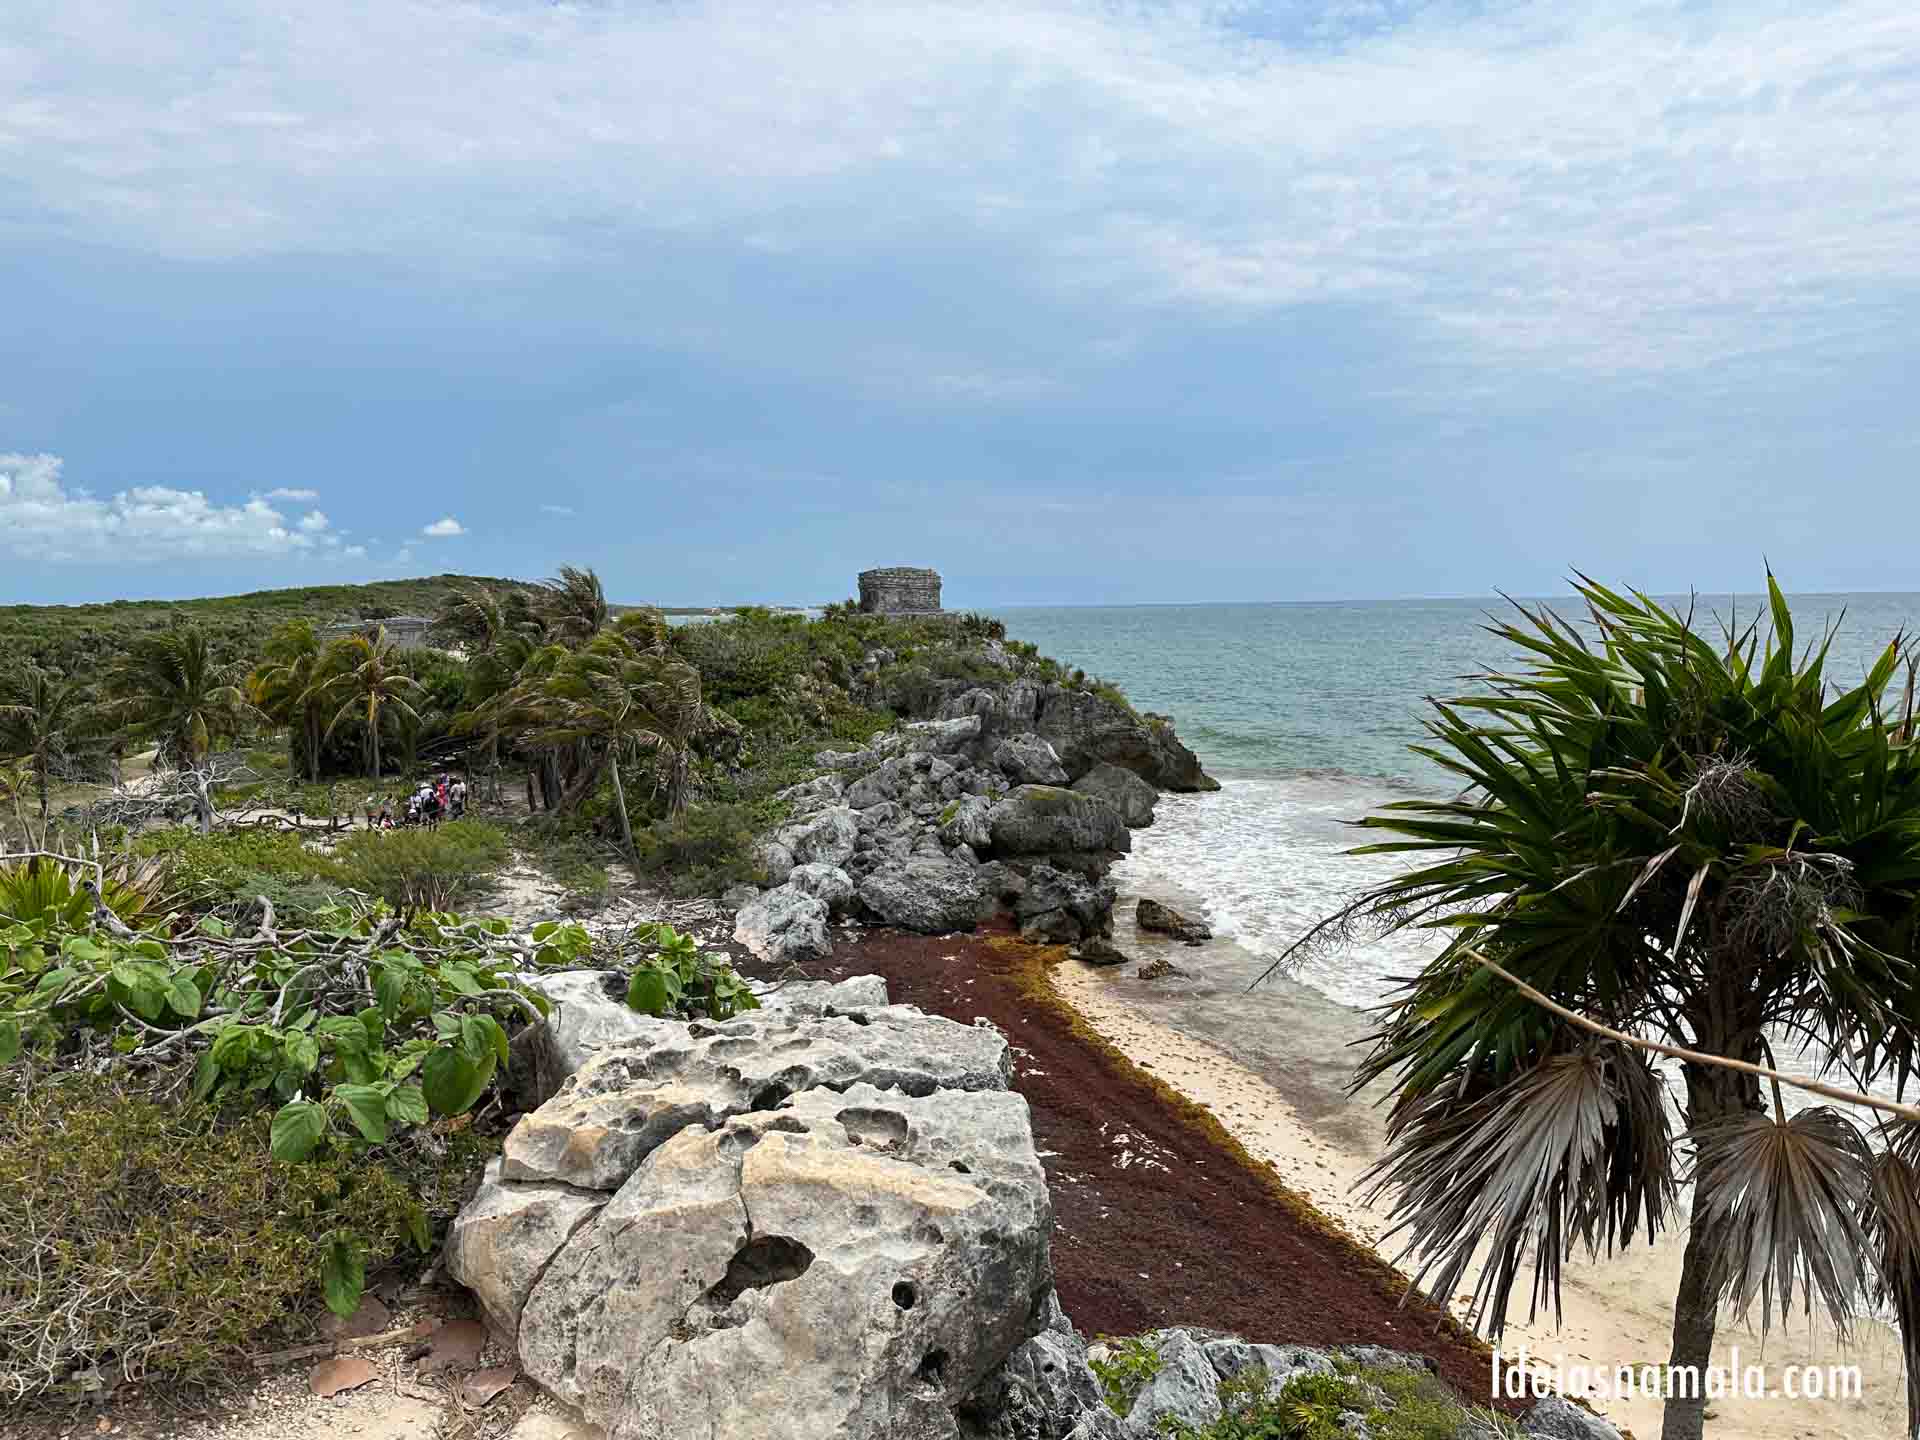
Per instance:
x=624, y=1101
x=502, y=1240
x=1059, y=906
x=1039, y=1392
x=1038, y=819
x=827, y=839
x=1133, y=797
x=1086, y=728
x=826, y=883
x=1096, y=950
x=1029, y=760
x=968, y=824
x=849, y=1265
x=1165, y=920
x=1185, y=1387
x=736, y=898
x=775, y=861
x=784, y=924
x=1230, y=1357
x=927, y=894
x=1558, y=1418
x=590, y=1012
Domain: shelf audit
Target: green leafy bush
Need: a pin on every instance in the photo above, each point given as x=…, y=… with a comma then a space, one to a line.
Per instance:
x=678, y=980
x=1124, y=1373
x=1390, y=1404
x=700, y=852
x=143, y=1237
x=231, y=868
x=425, y=869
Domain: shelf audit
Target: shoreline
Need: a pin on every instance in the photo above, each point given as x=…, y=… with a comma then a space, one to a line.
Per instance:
x=1289, y=1108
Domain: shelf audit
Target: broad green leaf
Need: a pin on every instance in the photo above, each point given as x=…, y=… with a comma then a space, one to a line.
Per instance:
x=368, y=1107
x=183, y=997
x=408, y=1105
x=451, y=1081
x=303, y=1053
x=418, y=1229
x=9, y=1039
x=297, y=1128
x=343, y=1275
x=80, y=947
x=649, y=991
x=206, y=1075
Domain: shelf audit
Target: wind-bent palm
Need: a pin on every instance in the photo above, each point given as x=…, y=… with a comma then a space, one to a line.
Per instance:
x=43, y=720
x=166, y=687
x=624, y=693
x=285, y=690
x=1686, y=841
x=362, y=678
x=573, y=606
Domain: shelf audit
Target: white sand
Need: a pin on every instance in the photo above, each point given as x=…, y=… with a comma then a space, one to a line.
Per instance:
x=1616, y=1311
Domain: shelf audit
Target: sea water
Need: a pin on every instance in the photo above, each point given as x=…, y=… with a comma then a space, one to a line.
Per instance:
x=1304, y=713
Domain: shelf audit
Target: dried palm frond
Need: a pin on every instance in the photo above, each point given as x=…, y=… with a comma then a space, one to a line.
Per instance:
x=1892, y=1223
x=1778, y=1205
x=1574, y=1150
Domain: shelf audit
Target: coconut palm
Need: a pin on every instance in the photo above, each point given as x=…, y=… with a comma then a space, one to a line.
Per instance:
x=1685, y=841
x=168, y=688
x=285, y=690
x=573, y=606
x=626, y=698
x=497, y=643
x=43, y=721
x=362, y=676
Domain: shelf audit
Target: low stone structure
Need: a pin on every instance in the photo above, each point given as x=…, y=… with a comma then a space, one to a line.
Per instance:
x=900, y=590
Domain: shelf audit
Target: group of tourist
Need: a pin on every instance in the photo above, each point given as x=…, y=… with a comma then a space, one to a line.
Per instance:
x=442, y=798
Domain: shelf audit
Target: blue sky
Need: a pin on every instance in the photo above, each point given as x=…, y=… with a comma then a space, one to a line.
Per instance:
x=1077, y=303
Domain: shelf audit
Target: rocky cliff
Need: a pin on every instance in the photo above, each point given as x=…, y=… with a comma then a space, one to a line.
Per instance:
x=1010, y=797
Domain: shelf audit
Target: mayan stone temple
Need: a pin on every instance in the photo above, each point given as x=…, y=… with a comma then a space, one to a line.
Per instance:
x=900, y=590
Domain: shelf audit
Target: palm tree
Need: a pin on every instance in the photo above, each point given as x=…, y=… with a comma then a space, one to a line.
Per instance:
x=285, y=690
x=1687, y=842
x=496, y=646
x=167, y=687
x=362, y=675
x=628, y=699
x=43, y=720
x=573, y=606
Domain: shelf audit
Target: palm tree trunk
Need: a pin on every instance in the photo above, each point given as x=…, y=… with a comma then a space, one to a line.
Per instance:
x=620, y=805
x=313, y=744
x=373, y=737
x=40, y=777
x=1712, y=1094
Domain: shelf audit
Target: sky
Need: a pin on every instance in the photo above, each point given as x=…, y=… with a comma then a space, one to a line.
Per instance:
x=1077, y=303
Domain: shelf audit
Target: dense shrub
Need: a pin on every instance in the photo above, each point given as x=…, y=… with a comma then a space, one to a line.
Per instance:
x=1385, y=1402
x=143, y=1237
x=702, y=851
x=231, y=868
x=420, y=869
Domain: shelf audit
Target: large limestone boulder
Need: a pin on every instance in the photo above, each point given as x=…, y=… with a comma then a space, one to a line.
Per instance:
x=502, y=1241
x=1029, y=760
x=827, y=839
x=1042, y=819
x=1086, y=728
x=966, y=823
x=926, y=893
x=849, y=1265
x=1042, y=1391
x=1186, y=1386
x=828, y=884
x=625, y=1100
x=1060, y=907
x=784, y=924
x=1557, y=1418
x=1133, y=797
x=590, y=1013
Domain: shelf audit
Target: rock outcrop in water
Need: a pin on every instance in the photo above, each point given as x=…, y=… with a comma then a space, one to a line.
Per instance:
x=1010, y=797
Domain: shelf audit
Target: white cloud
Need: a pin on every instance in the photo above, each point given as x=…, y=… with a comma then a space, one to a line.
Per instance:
x=43, y=518
x=285, y=494
x=1610, y=184
x=443, y=528
x=558, y=509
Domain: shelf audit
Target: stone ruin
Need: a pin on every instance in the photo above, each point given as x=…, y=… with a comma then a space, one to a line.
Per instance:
x=900, y=590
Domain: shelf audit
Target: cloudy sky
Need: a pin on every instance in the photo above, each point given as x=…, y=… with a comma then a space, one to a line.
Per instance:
x=1076, y=302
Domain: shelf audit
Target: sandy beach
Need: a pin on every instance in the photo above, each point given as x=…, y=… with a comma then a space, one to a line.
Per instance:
x=1286, y=1105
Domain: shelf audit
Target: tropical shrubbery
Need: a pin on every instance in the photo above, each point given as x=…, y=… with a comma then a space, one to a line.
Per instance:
x=144, y=1236
x=420, y=869
x=701, y=852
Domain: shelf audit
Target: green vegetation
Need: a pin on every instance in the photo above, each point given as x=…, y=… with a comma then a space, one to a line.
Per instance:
x=701, y=852
x=420, y=869
x=1690, y=839
x=678, y=980
x=146, y=1236
x=1129, y=1365
x=1390, y=1403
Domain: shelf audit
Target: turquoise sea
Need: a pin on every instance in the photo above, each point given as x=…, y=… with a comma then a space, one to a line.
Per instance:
x=1304, y=712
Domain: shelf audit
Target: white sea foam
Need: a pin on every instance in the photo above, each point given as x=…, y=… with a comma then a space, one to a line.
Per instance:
x=1265, y=858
